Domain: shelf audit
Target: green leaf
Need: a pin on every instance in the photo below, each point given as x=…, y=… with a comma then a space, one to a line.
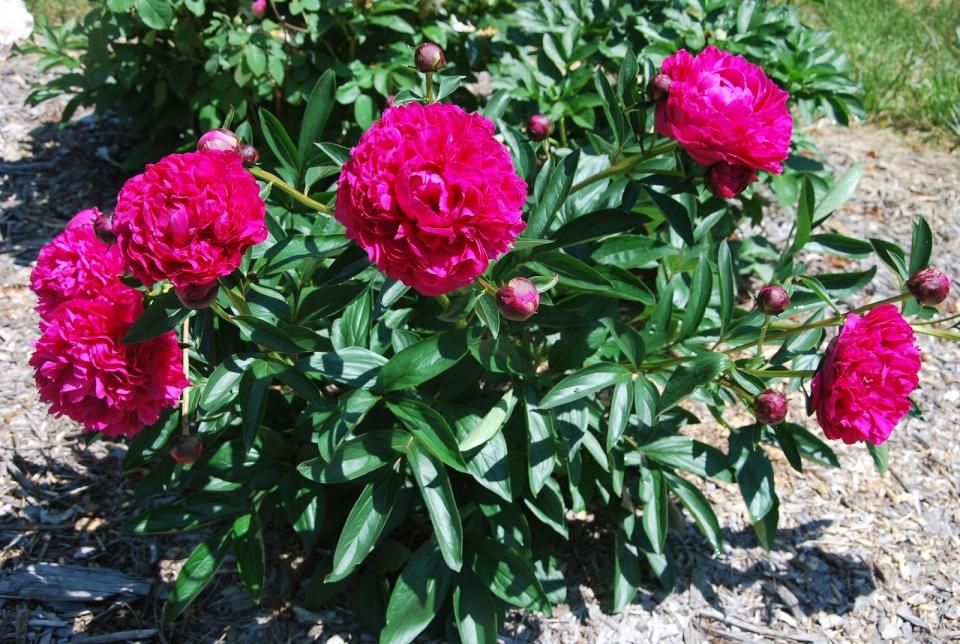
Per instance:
x=475, y=611
x=489, y=314
x=646, y=403
x=840, y=245
x=548, y=507
x=676, y=215
x=197, y=573
x=804, y=217
x=254, y=385
x=363, y=526
x=193, y=511
x=838, y=193
x=351, y=408
x=891, y=255
x=880, y=457
x=356, y=457
x=304, y=505
x=788, y=446
x=627, y=575
x=701, y=288
x=523, y=156
x=541, y=450
x=151, y=440
x=491, y=424
x=582, y=383
x=755, y=478
x=285, y=338
x=277, y=139
x=698, y=507
x=611, y=107
x=431, y=430
x=156, y=14
x=352, y=366
x=422, y=361
x=431, y=478
x=728, y=285
x=921, y=246
x=251, y=555
x=621, y=402
x=689, y=376
x=688, y=455
x=417, y=596
x=558, y=187
x=655, y=507
x=256, y=59
x=161, y=314
x=507, y=574
x=336, y=153
x=290, y=252
x=315, y=116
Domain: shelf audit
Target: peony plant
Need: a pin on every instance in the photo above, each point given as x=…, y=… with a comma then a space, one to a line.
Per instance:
x=429, y=354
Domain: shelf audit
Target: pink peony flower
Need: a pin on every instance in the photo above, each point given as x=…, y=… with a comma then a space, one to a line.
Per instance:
x=189, y=218
x=84, y=371
x=75, y=264
x=431, y=196
x=860, y=392
x=722, y=108
x=727, y=181
x=259, y=7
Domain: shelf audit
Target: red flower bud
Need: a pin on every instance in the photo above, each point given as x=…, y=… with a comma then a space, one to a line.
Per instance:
x=929, y=286
x=103, y=228
x=258, y=8
x=429, y=57
x=518, y=299
x=727, y=181
x=198, y=296
x=772, y=300
x=539, y=127
x=659, y=87
x=186, y=449
x=770, y=407
x=219, y=139
x=249, y=154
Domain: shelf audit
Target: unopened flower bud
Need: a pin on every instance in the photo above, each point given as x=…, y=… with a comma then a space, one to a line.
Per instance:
x=219, y=139
x=249, y=155
x=186, y=449
x=103, y=228
x=198, y=296
x=539, y=127
x=659, y=87
x=929, y=286
x=518, y=299
x=258, y=8
x=726, y=180
x=770, y=407
x=429, y=57
x=773, y=300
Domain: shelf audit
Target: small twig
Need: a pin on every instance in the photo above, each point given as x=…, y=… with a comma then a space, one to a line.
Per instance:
x=121, y=636
x=750, y=628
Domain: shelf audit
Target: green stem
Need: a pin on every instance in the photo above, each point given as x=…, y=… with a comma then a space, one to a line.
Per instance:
x=763, y=334
x=444, y=300
x=429, y=87
x=780, y=373
x=269, y=177
x=487, y=286
x=563, y=133
x=625, y=165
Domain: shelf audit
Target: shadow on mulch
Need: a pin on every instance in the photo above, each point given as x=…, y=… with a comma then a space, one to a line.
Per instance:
x=70, y=167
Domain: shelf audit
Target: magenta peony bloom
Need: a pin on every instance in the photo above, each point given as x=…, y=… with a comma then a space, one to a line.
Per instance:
x=84, y=371
x=860, y=392
x=431, y=196
x=189, y=218
x=722, y=108
x=75, y=264
x=727, y=181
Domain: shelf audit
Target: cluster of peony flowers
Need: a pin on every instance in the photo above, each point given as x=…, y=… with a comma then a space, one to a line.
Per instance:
x=726, y=113
x=431, y=196
x=82, y=368
x=188, y=219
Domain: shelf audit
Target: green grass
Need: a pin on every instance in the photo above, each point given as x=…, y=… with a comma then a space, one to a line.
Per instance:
x=906, y=54
x=57, y=11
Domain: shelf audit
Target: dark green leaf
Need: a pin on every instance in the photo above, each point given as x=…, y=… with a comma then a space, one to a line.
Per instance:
x=417, y=596
x=621, y=402
x=838, y=193
x=880, y=457
x=250, y=552
x=277, y=139
x=431, y=478
x=582, y=383
x=431, y=430
x=755, y=478
x=921, y=246
x=195, y=510
x=319, y=104
x=475, y=611
x=701, y=288
x=356, y=457
x=363, y=526
x=507, y=574
x=558, y=187
x=197, y=572
x=689, y=376
x=677, y=216
x=728, y=284
x=162, y=313
x=422, y=361
x=891, y=255
x=698, y=507
x=491, y=424
x=689, y=455
x=540, y=442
